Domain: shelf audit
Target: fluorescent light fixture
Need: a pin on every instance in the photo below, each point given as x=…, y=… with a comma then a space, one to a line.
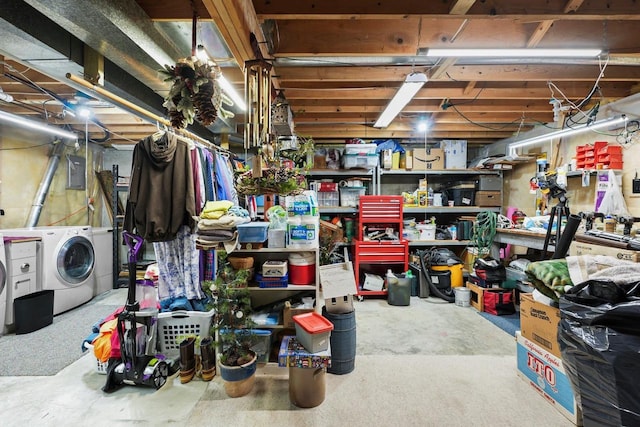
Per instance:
x=412, y=84
x=513, y=53
x=231, y=91
x=36, y=125
x=567, y=132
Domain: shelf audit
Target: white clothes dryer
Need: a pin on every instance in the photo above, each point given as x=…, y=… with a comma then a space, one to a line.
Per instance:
x=3, y=283
x=66, y=264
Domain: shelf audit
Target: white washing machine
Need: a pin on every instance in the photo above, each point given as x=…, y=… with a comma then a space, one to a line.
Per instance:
x=103, y=247
x=66, y=264
x=3, y=283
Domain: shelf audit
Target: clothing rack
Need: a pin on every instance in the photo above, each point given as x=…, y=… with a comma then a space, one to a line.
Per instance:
x=154, y=117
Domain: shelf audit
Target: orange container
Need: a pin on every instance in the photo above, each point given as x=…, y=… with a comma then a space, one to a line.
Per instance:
x=614, y=165
x=611, y=149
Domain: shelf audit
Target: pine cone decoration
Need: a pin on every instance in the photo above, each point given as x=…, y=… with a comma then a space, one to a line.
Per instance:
x=195, y=92
x=206, y=112
x=177, y=119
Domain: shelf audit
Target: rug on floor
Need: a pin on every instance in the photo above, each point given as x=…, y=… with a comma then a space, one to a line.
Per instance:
x=50, y=349
x=509, y=323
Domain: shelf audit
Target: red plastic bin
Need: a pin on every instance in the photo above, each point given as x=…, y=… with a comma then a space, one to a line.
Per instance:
x=313, y=331
x=614, y=165
x=611, y=149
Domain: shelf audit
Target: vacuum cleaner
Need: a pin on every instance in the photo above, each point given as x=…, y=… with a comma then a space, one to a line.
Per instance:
x=138, y=363
x=442, y=271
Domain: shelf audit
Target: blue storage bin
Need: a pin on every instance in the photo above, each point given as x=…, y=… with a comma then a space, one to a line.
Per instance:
x=253, y=232
x=272, y=282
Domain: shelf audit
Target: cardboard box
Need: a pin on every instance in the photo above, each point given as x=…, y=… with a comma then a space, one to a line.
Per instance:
x=539, y=323
x=580, y=248
x=373, y=282
x=488, y=198
x=422, y=161
x=455, y=154
x=293, y=354
x=545, y=373
x=288, y=312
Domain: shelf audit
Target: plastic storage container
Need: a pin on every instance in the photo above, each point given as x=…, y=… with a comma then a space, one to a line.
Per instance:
x=364, y=149
x=360, y=161
x=272, y=282
x=313, y=331
x=253, y=232
x=146, y=294
x=173, y=326
x=350, y=196
x=302, y=268
x=274, y=268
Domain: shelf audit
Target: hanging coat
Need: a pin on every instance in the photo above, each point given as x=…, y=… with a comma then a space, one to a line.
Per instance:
x=161, y=195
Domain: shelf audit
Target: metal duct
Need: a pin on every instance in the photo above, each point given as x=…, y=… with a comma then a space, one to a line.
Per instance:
x=43, y=189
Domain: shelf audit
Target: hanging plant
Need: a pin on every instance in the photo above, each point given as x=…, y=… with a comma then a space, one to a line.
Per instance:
x=278, y=180
x=195, y=92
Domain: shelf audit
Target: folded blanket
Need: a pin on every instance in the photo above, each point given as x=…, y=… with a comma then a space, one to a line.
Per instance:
x=582, y=267
x=224, y=222
x=623, y=274
x=215, y=235
x=214, y=210
x=229, y=245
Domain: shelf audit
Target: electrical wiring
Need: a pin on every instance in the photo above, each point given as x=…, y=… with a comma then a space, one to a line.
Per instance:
x=595, y=88
x=27, y=82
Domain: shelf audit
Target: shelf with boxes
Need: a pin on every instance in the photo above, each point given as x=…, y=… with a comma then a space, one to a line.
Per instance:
x=341, y=188
x=286, y=282
x=280, y=273
x=450, y=198
x=599, y=155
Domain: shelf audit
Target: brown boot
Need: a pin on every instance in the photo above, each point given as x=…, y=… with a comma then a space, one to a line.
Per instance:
x=187, y=360
x=208, y=355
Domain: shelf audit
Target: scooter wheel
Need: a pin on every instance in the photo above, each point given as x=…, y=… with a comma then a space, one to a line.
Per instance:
x=160, y=375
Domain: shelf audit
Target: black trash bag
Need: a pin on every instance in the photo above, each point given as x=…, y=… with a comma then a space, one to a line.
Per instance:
x=599, y=336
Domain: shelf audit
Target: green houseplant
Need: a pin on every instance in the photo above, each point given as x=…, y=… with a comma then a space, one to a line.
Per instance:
x=229, y=296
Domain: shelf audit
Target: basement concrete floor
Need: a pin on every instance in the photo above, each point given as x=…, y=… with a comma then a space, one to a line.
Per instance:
x=427, y=364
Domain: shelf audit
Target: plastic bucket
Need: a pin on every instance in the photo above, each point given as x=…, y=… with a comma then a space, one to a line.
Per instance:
x=463, y=296
x=427, y=231
x=343, y=341
x=306, y=386
x=302, y=268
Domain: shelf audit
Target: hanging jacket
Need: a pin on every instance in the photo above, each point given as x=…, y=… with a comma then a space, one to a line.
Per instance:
x=161, y=194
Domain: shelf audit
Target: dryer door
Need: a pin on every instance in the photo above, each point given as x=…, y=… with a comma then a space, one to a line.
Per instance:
x=75, y=260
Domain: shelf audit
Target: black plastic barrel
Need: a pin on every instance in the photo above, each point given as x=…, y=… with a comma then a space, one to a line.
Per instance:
x=343, y=341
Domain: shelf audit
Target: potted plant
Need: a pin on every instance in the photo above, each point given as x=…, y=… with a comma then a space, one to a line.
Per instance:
x=229, y=296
